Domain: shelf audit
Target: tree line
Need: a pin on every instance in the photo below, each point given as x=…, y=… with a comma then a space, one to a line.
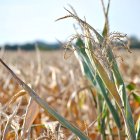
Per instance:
x=134, y=44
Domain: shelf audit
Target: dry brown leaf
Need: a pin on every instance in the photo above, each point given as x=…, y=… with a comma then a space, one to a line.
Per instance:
x=31, y=113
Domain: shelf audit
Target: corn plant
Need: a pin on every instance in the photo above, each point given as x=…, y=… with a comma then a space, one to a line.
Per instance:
x=95, y=53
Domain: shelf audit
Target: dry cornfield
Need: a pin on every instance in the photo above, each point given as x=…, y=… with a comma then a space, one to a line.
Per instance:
x=60, y=82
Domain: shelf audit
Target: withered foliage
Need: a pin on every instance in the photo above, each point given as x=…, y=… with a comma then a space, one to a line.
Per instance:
x=61, y=84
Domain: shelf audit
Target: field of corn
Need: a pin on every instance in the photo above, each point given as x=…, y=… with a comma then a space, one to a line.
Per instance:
x=90, y=90
x=60, y=82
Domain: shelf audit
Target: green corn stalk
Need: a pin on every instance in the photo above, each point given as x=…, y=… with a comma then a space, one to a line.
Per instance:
x=116, y=87
x=95, y=79
x=101, y=121
x=126, y=111
x=120, y=97
x=108, y=87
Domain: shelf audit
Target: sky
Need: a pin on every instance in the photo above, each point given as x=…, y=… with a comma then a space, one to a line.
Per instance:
x=23, y=21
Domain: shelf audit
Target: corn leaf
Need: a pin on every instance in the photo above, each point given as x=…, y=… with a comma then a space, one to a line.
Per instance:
x=136, y=97
x=96, y=80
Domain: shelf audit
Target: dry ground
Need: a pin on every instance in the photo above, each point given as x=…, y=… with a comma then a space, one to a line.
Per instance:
x=57, y=81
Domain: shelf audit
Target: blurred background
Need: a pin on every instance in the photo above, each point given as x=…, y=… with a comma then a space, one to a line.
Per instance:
x=22, y=23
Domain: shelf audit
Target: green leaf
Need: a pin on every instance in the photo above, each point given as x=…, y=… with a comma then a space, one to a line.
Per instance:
x=96, y=81
x=105, y=30
x=79, y=42
x=122, y=91
x=131, y=86
x=136, y=97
